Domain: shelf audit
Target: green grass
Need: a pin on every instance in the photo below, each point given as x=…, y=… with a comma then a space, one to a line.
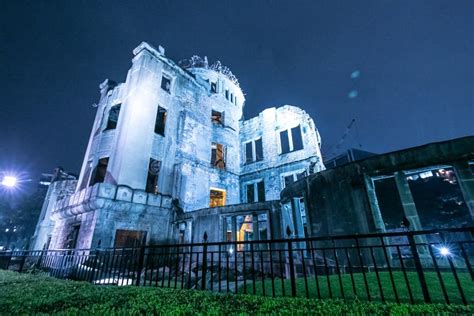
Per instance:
x=26, y=294
x=432, y=281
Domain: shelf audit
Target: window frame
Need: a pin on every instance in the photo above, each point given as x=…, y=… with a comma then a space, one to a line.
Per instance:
x=254, y=150
x=256, y=196
x=170, y=80
x=291, y=145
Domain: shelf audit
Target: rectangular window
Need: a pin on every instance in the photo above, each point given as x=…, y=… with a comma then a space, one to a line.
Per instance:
x=285, y=142
x=166, y=84
x=213, y=87
x=154, y=168
x=301, y=175
x=217, y=197
x=261, y=191
x=296, y=137
x=227, y=94
x=289, y=180
x=113, y=117
x=160, y=121
x=248, y=152
x=98, y=175
x=255, y=192
x=291, y=141
x=253, y=151
x=218, y=156
x=232, y=97
x=258, y=150
x=217, y=117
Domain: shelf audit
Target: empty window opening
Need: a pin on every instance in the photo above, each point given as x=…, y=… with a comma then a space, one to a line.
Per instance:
x=213, y=87
x=227, y=94
x=291, y=141
x=290, y=178
x=255, y=192
x=71, y=239
x=232, y=97
x=235, y=100
x=285, y=142
x=160, y=121
x=254, y=151
x=113, y=117
x=217, y=197
x=217, y=117
x=218, y=156
x=154, y=168
x=98, y=175
x=297, y=138
x=129, y=238
x=166, y=84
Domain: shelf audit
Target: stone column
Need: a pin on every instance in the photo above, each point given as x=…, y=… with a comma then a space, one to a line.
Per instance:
x=466, y=183
x=297, y=220
x=410, y=210
x=234, y=228
x=256, y=232
x=374, y=204
x=408, y=203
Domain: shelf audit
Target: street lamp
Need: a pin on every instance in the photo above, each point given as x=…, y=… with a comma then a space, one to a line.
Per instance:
x=9, y=181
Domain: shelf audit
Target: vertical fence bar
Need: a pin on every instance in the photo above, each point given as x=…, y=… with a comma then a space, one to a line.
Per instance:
x=349, y=265
x=204, y=263
x=271, y=267
x=292, y=268
x=363, y=269
x=338, y=270
x=315, y=267
x=382, y=296
x=466, y=259
x=389, y=267
x=141, y=260
x=405, y=276
x=438, y=273
x=418, y=267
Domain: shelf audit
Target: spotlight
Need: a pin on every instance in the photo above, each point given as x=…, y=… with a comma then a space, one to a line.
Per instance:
x=444, y=251
x=9, y=181
x=231, y=251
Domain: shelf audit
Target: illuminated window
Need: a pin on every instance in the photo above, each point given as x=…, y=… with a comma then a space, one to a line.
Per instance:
x=218, y=156
x=217, y=117
x=255, y=192
x=154, y=168
x=160, y=121
x=291, y=140
x=166, y=84
x=113, y=117
x=217, y=197
x=253, y=151
x=98, y=175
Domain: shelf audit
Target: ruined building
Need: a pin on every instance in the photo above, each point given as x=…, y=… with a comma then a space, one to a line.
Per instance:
x=169, y=158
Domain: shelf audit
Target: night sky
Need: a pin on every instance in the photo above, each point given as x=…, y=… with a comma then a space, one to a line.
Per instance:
x=416, y=63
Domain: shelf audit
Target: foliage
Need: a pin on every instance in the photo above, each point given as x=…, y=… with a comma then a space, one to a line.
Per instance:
x=29, y=294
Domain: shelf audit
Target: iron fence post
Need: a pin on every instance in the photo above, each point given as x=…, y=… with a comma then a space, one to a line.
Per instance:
x=204, y=262
x=419, y=267
x=141, y=260
x=291, y=262
x=22, y=262
x=94, y=265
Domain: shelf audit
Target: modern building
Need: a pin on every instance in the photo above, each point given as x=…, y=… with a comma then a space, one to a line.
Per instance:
x=170, y=157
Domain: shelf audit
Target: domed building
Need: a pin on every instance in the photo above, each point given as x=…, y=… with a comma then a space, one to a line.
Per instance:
x=170, y=157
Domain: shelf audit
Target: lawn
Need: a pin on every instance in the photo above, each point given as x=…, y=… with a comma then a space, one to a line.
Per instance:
x=334, y=290
x=31, y=294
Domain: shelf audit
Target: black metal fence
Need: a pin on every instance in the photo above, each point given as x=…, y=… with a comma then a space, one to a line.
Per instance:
x=423, y=266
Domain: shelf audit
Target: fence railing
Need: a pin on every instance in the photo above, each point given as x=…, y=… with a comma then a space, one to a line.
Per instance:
x=422, y=266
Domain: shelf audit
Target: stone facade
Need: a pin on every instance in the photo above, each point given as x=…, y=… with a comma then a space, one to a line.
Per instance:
x=343, y=200
x=169, y=157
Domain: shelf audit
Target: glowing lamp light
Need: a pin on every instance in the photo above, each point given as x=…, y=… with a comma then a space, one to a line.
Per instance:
x=9, y=181
x=444, y=251
x=231, y=251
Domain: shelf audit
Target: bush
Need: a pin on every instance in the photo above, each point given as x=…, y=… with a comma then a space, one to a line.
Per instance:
x=31, y=294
